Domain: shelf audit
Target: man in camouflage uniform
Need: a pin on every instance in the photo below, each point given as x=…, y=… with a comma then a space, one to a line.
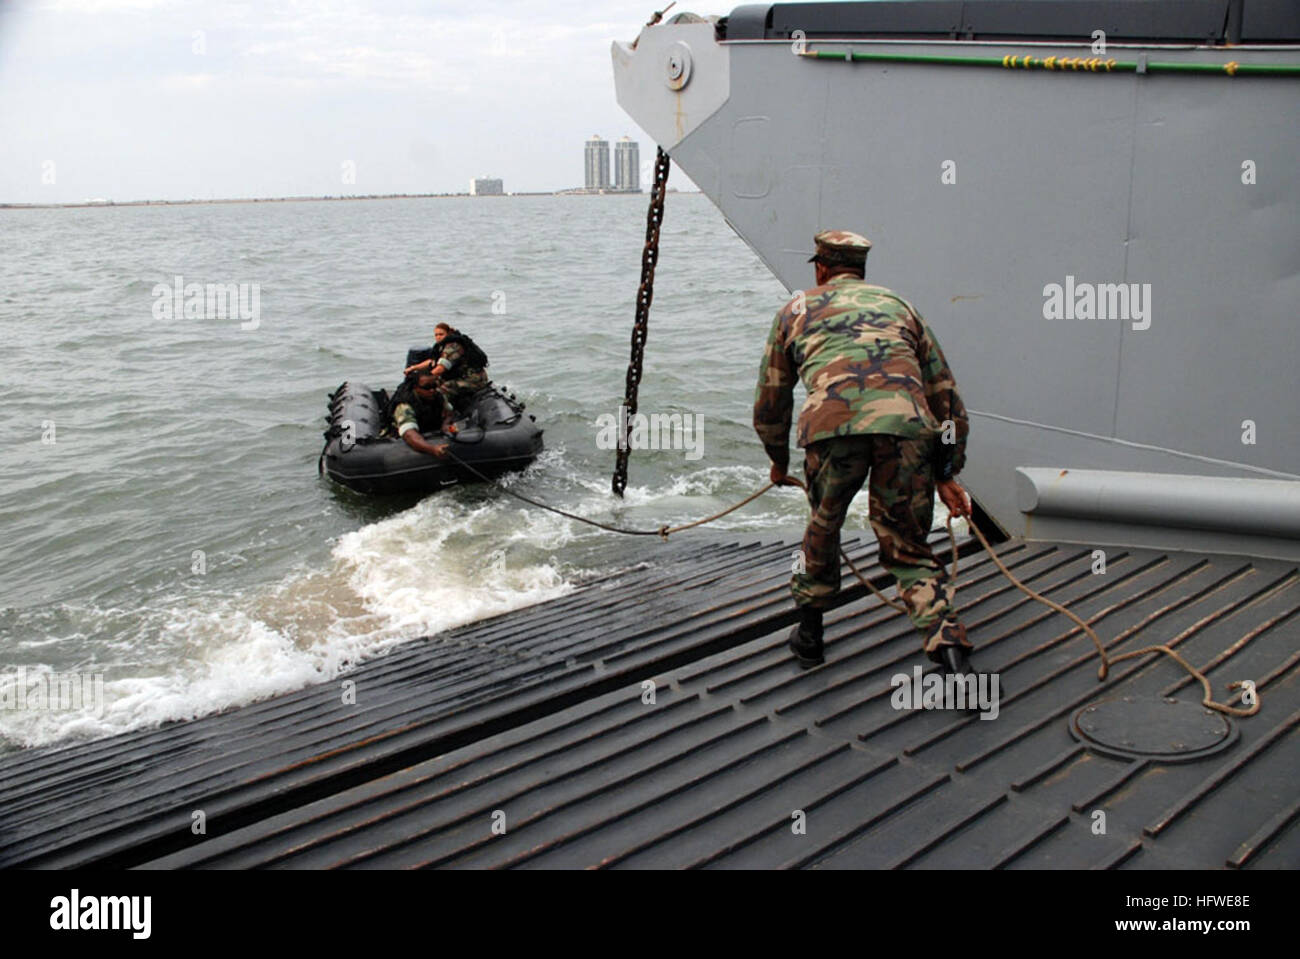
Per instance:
x=881, y=402
x=452, y=358
x=417, y=409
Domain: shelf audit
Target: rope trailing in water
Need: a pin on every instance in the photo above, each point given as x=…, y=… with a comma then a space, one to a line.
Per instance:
x=1073, y=64
x=644, y=295
x=663, y=532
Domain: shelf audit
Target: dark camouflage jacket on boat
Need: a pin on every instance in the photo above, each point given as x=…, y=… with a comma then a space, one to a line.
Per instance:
x=458, y=377
x=870, y=365
x=424, y=417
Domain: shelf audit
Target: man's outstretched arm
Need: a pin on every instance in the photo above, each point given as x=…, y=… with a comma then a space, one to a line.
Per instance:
x=947, y=407
x=417, y=442
x=774, y=400
x=408, y=429
x=945, y=404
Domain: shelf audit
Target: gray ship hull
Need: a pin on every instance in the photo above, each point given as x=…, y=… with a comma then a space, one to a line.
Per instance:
x=1111, y=416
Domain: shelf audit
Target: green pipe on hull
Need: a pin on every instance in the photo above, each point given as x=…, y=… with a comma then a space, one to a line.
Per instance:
x=1066, y=64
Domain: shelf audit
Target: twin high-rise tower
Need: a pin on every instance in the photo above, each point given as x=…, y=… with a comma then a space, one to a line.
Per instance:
x=627, y=165
x=597, y=164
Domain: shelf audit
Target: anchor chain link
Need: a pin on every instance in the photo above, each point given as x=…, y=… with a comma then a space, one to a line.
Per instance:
x=644, y=295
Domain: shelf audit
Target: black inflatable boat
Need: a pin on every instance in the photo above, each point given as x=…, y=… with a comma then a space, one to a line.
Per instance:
x=493, y=436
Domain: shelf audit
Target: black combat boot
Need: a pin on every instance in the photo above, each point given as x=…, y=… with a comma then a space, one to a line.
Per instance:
x=806, y=638
x=953, y=653
x=955, y=660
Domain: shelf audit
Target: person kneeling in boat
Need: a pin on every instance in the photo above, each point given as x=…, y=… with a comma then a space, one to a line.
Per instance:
x=417, y=409
x=461, y=367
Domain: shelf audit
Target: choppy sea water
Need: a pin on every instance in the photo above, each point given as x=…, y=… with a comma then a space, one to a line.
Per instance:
x=161, y=518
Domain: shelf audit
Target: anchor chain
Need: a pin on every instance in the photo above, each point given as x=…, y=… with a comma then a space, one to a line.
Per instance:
x=644, y=295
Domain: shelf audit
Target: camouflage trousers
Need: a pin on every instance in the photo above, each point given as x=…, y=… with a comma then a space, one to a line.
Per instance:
x=458, y=392
x=902, y=507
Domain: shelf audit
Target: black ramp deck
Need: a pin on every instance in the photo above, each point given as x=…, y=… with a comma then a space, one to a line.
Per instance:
x=115, y=800
x=528, y=740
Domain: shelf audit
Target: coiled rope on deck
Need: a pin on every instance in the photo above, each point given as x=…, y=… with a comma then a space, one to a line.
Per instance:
x=1103, y=671
x=1106, y=660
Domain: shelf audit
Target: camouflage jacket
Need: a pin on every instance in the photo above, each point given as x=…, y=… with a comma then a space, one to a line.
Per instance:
x=452, y=360
x=870, y=365
x=405, y=418
x=458, y=378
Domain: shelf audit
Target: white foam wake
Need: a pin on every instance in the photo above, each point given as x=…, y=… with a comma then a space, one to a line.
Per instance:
x=417, y=573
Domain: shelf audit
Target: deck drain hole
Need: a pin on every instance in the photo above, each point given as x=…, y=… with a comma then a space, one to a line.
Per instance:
x=1151, y=727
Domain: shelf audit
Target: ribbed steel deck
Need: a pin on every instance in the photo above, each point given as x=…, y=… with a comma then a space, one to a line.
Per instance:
x=536, y=723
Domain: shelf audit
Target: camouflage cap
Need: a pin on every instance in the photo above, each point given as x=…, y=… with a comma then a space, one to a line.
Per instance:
x=841, y=247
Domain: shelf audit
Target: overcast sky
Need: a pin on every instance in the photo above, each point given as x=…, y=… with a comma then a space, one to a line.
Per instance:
x=165, y=99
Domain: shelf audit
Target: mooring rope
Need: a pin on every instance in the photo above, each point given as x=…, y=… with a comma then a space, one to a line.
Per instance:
x=1104, y=670
x=663, y=532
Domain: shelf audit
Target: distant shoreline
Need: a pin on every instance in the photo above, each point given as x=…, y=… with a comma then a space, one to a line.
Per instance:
x=314, y=199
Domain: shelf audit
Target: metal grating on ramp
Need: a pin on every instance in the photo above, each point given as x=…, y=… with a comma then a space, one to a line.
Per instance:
x=573, y=767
